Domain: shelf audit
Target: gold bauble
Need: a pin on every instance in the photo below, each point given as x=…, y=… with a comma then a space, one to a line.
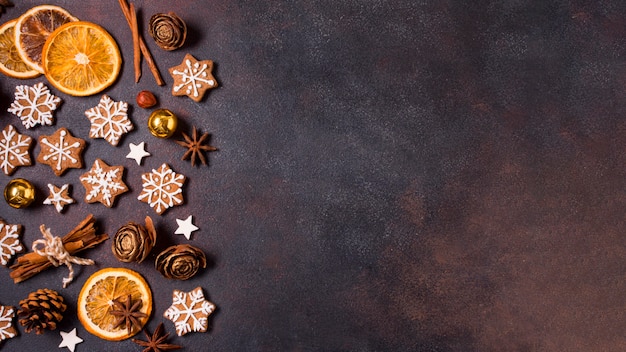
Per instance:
x=19, y=193
x=162, y=123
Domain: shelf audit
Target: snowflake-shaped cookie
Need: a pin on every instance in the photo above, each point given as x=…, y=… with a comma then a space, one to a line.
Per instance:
x=189, y=311
x=7, y=330
x=61, y=151
x=34, y=105
x=9, y=241
x=103, y=183
x=59, y=197
x=109, y=120
x=162, y=188
x=14, y=150
x=192, y=78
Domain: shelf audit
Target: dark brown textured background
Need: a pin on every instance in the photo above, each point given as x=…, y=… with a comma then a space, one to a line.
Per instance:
x=392, y=175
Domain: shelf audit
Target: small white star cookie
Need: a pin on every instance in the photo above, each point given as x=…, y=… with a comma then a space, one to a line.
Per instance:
x=185, y=227
x=59, y=197
x=137, y=152
x=70, y=340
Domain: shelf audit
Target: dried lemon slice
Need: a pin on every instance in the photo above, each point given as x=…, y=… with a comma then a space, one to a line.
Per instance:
x=33, y=28
x=97, y=300
x=11, y=63
x=81, y=58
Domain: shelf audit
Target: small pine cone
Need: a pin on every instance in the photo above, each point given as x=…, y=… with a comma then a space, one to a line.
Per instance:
x=133, y=242
x=180, y=262
x=41, y=310
x=168, y=30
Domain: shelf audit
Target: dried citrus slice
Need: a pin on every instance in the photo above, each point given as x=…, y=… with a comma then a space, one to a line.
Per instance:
x=81, y=58
x=11, y=64
x=33, y=28
x=97, y=300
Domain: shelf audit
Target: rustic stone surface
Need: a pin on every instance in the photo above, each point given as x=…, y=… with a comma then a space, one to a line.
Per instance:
x=401, y=175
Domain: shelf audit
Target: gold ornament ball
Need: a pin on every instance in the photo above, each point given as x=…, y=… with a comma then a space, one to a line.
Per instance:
x=19, y=193
x=162, y=123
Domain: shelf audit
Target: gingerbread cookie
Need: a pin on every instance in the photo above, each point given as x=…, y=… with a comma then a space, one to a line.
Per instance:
x=109, y=120
x=61, y=151
x=103, y=183
x=189, y=311
x=34, y=105
x=192, y=78
x=14, y=150
x=9, y=241
x=7, y=330
x=162, y=188
x=59, y=197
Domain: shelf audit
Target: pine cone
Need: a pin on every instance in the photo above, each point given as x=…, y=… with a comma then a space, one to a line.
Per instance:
x=41, y=310
x=133, y=242
x=180, y=262
x=168, y=30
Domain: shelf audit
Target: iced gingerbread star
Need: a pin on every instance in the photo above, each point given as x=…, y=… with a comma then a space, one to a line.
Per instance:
x=7, y=330
x=189, y=311
x=61, y=151
x=9, y=241
x=14, y=150
x=34, y=105
x=192, y=78
x=109, y=120
x=103, y=183
x=162, y=188
x=59, y=197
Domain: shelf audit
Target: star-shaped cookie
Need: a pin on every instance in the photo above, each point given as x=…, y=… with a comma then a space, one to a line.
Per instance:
x=59, y=197
x=7, y=330
x=192, y=78
x=185, y=227
x=109, y=120
x=34, y=105
x=70, y=340
x=189, y=311
x=14, y=150
x=103, y=183
x=137, y=152
x=10, y=243
x=61, y=151
x=162, y=188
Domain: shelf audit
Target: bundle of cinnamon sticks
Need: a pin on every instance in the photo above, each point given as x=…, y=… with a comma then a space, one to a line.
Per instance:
x=139, y=45
x=82, y=237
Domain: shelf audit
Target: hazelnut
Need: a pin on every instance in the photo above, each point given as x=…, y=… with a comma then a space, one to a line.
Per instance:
x=145, y=99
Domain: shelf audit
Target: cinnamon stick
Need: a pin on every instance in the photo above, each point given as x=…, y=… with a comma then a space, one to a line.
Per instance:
x=82, y=237
x=142, y=45
x=136, y=50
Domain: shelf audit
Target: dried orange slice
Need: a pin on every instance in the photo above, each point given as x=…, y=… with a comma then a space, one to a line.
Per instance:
x=33, y=28
x=81, y=58
x=11, y=64
x=97, y=298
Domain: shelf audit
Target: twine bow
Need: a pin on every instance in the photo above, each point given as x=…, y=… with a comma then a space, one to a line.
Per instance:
x=56, y=253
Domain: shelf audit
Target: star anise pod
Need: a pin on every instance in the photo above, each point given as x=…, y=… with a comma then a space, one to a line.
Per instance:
x=156, y=342
x=195, y=147
x=128, y=313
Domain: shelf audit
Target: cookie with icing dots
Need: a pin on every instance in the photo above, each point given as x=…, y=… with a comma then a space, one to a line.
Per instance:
x=192, y=78
x=61, y=151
